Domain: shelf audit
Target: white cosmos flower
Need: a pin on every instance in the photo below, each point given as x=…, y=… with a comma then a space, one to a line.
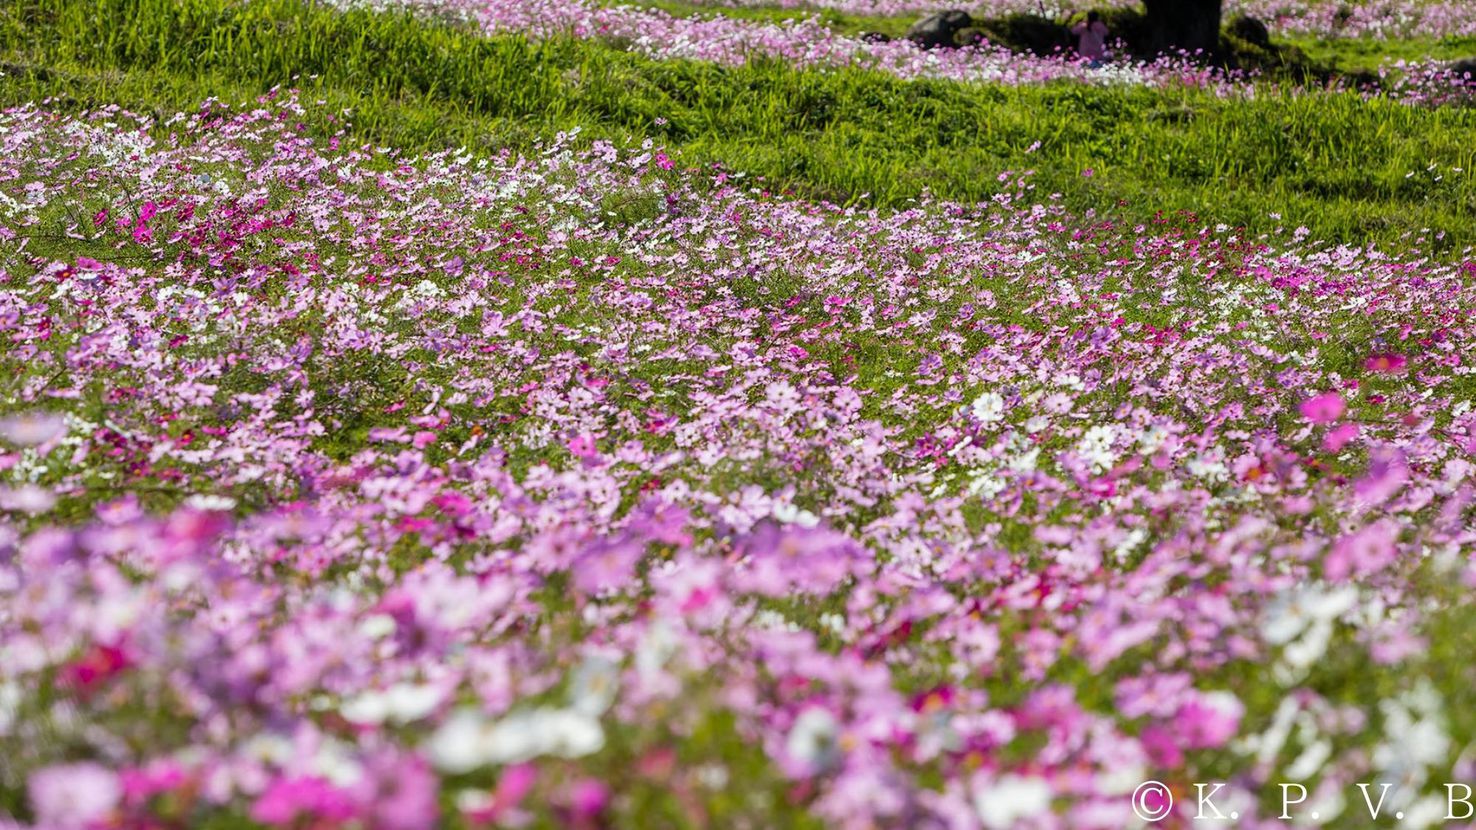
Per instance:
x=333, y=761
x=377, y=626
x=988, y=408
x=1150, y=439
x=467, y=740
x=1209, y=469
x=1069, y=380
x=814, y=740
x=544, y=731
x=1008, y=799
x=1303, y=622
x=1310, y=762
x=459, y=745
x=1129, y=543
x=657, y=646
x=10, y=699
x=1295, y=612
x=1026, y=461
x=789, y=514
x=593, y=685
x=401, y=703
x=426, y=288
x=985, y=484
x=200, y=501
x=1096, y=447
x=474, y=801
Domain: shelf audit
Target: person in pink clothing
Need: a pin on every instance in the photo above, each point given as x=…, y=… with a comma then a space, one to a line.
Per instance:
x=1091, y=39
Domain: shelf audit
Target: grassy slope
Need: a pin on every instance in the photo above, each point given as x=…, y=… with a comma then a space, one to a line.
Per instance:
x=1332, y=162
x=846, y=24
x=1353, y=54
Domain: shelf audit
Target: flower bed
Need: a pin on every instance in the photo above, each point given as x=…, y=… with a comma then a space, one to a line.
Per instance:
x=340, y=487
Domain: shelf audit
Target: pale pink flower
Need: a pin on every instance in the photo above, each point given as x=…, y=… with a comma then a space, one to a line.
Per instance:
x=74, y=796
x=32, y=429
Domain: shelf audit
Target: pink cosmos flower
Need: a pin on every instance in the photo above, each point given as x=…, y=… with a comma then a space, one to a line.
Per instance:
x=514, y=785
x=396, y=435
x=1388, y=471
x=289, y=800
x=607, y=565
x=587, y=799
x=99, y=664
x=1362, y=552
x=501, y=805
x=1389, y=363
x=1339, y=436
x=400, y=792
x=1161, y=746
x=142, y=783
x=1208, y=720
x=1324, y=408
x=784, y=558
x=582, y=446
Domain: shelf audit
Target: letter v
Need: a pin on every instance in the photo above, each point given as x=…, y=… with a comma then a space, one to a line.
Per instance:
x=1373, y=809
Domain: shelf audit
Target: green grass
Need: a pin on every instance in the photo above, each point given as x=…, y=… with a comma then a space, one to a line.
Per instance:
x=837, y=21
x=1332, y=162
x=1354, y=54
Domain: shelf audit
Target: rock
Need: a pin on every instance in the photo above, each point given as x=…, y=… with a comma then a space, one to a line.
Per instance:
x=940, y=29
x=1251, y=30
x=875, y=37
x=971, y=36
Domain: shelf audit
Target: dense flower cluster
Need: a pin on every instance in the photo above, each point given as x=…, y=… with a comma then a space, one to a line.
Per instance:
x=1368, y=18
x=344, y=489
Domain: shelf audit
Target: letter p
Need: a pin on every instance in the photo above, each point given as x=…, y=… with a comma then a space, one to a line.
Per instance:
x=1287, y=802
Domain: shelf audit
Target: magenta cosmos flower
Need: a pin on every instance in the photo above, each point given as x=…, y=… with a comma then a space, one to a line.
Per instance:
x=1324, y=408
x=1386, y=364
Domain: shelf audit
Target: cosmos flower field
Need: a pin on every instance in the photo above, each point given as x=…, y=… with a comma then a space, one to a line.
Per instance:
x=343, y=487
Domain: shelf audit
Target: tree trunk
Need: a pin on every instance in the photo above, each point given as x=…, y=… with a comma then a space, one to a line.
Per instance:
x=1189, y=25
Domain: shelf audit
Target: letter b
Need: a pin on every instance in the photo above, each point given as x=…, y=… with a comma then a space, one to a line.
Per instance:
x=1451, y=801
